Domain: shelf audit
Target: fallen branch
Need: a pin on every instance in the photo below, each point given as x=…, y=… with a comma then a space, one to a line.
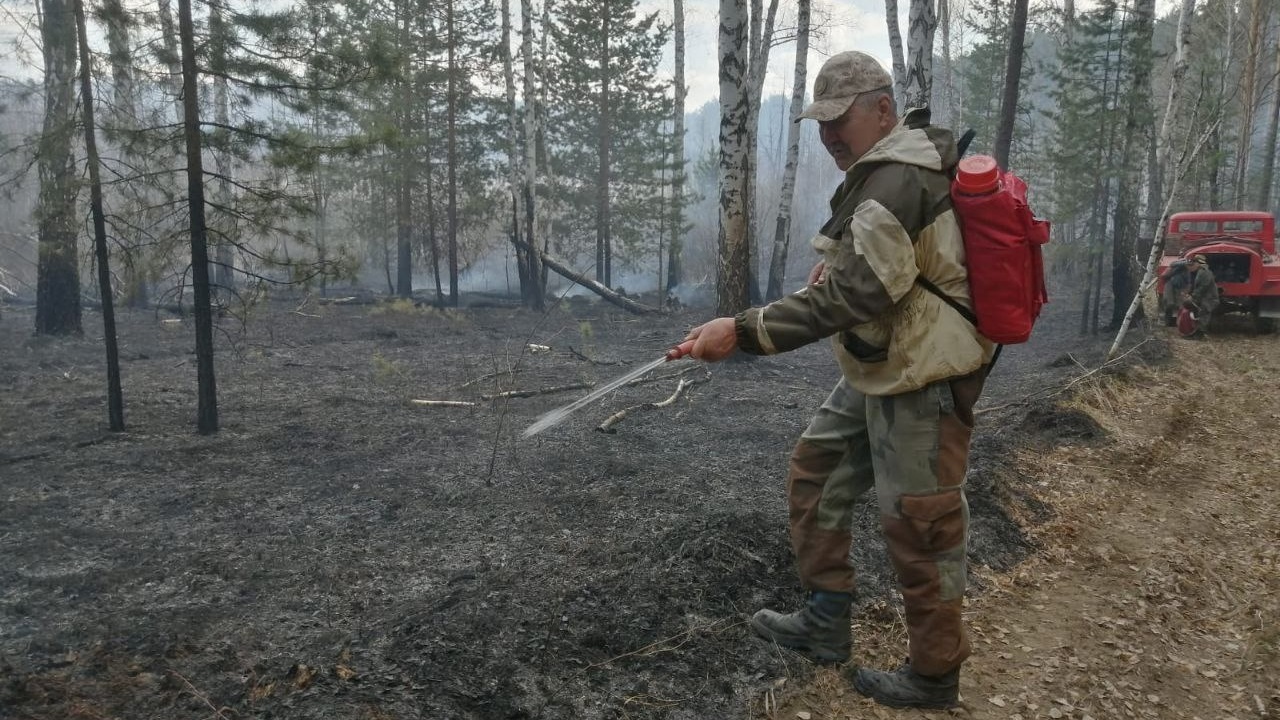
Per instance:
x=561, y=268
x=665, y=644
x=1059, y=389
x=444, y=403
x=614, y=419
x=531, y=393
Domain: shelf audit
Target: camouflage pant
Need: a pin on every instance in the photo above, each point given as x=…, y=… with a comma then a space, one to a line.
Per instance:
x=914, y=449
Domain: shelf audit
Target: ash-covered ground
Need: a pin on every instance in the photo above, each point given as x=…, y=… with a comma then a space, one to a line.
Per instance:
x=339, y=551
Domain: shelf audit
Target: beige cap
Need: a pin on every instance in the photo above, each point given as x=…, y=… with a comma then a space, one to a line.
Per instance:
x=843, y=78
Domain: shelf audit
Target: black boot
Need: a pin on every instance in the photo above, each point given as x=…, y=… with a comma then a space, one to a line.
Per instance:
x=905, y=688
x=820, y=628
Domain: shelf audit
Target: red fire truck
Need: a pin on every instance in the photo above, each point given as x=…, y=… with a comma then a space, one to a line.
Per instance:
x=1241, y=249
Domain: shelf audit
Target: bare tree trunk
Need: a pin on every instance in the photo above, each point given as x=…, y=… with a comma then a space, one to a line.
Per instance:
x=757, y=66
x=207, y=416
x=536, y=271
x=1012, y=83
x=782, y=233
x=1163, y=146
x=676, y=247
x=513, y=162
x=405, y=168
x=1249, y=99
x=895, y=48
x=169, y=36
x=452, y=122
x=1269, y=147
x=115, y=398
x=604, y=243
x=58, y=265
x=224, y=263
x=124, y=117
x=733, y=278
x=922, y=22
x=948, y=67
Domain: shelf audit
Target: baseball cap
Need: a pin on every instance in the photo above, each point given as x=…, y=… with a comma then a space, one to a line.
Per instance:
x=842, y=79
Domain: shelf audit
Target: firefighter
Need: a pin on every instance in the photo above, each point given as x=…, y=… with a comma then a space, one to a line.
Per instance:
x=1200, y=295
x=900, y=418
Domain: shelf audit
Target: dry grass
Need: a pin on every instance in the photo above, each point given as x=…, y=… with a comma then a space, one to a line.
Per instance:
x=1154, y=594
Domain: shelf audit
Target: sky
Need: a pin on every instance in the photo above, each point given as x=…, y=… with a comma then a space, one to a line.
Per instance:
x=855, y=25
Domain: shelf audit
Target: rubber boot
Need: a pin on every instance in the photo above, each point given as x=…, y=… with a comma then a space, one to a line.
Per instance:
x=905, y=688
x=819, y=629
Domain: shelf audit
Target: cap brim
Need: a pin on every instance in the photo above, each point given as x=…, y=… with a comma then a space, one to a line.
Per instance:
x=826, y=110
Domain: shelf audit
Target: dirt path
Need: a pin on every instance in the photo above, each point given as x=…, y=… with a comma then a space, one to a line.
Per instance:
x=1156, y=589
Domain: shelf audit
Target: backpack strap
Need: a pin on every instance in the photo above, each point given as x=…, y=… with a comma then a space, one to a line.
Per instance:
x=965, y=312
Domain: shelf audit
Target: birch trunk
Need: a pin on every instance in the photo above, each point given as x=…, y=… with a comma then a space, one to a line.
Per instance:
x=535, y=270
x=115, y=398
x=733, y=277
x=895, y=48
x=782, y=233
x=404, y=167
x=922, y=22
x=1163, y=145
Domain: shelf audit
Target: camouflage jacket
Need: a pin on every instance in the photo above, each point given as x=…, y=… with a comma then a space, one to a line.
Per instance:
x=891, y=221
x=1204, y=291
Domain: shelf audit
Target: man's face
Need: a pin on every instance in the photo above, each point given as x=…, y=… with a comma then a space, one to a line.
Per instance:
x=851, y=135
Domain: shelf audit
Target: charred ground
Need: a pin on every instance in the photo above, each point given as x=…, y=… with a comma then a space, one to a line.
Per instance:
x=339, y=551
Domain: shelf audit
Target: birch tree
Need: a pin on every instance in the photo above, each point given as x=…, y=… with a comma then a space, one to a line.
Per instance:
x=1163, y=151
x=782, y=233
x=733, y=268
x=922, y=21
x=895, y=49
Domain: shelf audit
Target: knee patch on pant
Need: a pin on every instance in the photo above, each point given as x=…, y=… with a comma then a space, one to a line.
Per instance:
x=927, y=543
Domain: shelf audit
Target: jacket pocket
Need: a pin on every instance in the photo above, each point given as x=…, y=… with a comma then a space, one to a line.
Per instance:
x=861, y=350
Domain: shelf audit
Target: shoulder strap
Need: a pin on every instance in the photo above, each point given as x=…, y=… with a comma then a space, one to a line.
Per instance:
x=965, y=312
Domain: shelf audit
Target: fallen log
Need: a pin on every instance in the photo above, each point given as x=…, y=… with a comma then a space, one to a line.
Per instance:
x=621, y=301
x=444, y=403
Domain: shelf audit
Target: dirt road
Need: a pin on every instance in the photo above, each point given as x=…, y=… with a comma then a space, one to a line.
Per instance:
x=1155, y=589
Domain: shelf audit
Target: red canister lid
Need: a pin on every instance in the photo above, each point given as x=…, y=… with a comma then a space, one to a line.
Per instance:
x=977, y=175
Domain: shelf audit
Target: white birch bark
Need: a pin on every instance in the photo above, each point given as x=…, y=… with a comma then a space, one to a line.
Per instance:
x=1183, y=39
x=948, y=68
x=1270, y=146
x=733, y=256
x=895, y=48
x=782, y=233
x=922, y=22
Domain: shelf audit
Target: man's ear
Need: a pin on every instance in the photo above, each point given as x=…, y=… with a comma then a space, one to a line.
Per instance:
x=884, y=105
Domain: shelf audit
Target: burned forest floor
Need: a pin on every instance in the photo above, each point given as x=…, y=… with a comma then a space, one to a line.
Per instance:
x=369, y=536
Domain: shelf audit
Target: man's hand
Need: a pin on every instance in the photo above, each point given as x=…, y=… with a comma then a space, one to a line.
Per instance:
x=816, y=273
x=715, y=340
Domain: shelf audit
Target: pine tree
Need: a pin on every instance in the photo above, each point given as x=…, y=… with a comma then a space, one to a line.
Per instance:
x=605, y=123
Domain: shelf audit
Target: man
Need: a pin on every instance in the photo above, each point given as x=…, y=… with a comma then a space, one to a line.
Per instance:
x=901, y=416
x=1201, y=294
